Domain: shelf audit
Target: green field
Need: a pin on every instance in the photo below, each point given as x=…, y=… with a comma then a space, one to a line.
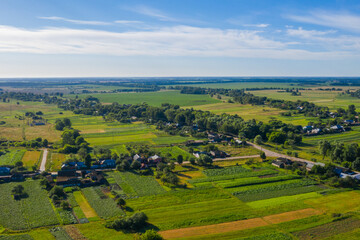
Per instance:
x=12, y=156
x=33, y=211
x=153, y=98
x=331, y=99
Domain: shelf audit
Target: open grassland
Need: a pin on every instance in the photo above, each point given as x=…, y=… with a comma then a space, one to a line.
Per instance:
x=33, y=211
x=54, y=161
x=31, y=158
x=15, y=129
x=104, y=206
x=153, y=98
x=12, y=156
x=135, y=184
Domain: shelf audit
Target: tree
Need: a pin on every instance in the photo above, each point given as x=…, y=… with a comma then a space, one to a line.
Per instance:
x=324, y=148
x=125, y=165
x=59, y=125
x=180, y=159
x=120, y=202
x=45, y=142
x=82, y=153
x=262, y=155
x=135, y=165
x=356, y=164
x=17, y=190
x=57, y=192
x=150, y=235
x=67, y=122
x=88, y=160
x=204, y=160
x=65, y=205
x=258, y=140
x=19, y=164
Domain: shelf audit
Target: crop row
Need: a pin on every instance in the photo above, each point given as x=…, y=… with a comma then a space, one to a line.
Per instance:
x=272, y=186
x=225, y=171
x=248, y=197
x=235, y=176
x=11, y=157
x=104, y=207
x=141, y=185
x=256, y=180
x=30, y=212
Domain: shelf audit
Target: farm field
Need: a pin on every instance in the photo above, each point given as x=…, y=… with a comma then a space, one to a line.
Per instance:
x=12, y=156
x=333, y=99
x=54, y=161
x=152, y=98
x=246, y=199
x=31, y=158
x=33, y=211
x=249, y=112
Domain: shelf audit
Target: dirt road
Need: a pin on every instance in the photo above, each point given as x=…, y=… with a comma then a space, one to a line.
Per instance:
x=43, y=161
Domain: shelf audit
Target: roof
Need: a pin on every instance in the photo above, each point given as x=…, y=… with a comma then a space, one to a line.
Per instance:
x=154, y=157
x=4, y=169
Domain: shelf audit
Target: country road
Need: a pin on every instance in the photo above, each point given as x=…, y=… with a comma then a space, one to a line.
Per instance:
x=270, y=153
x=43, y=161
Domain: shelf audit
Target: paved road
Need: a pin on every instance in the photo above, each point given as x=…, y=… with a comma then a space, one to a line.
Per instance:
x=43, y=161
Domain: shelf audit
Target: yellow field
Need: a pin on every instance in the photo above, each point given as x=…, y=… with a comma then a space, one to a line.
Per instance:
x=290, y=216
x=84, y=205
x=30, y=158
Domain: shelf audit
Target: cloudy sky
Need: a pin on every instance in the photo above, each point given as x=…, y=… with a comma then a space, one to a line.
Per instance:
x=115, y=38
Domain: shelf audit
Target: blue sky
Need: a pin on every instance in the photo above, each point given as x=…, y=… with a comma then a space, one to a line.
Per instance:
x=94, y=38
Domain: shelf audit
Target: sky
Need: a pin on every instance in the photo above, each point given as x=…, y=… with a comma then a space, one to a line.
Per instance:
x=159, y=38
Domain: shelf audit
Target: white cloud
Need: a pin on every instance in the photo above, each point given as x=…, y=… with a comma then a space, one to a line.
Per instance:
x=81, y=22
x=151, y=12
x=128, y=22
x=167, y=41
x=327, y=39
x=300, y=32
x=260, y=25
x=345, y=21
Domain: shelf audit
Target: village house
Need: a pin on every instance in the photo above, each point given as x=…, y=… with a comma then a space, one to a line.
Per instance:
x=218, y=154
x=282, y=162
x=68, y=178
x=153, y=160
x=4, y=171
x=310, y=165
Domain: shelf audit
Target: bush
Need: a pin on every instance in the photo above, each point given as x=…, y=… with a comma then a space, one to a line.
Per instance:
x=132, y=223
x=149, y=235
